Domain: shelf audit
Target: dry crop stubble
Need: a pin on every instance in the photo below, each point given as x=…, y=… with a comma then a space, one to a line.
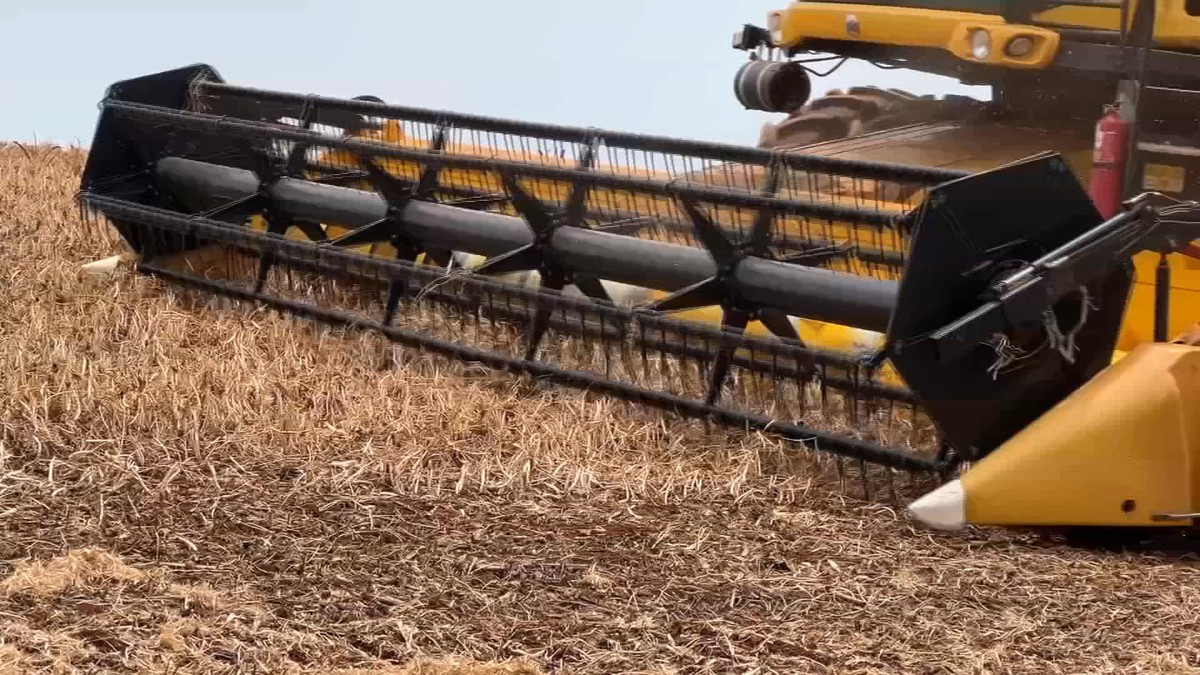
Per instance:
x=187, y=487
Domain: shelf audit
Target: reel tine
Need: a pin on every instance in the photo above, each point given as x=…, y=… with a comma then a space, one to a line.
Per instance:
x=703, y=294
x=312, y=230
x=591, y=287
x=713, y=237
x=521, y=260
x=734, y=322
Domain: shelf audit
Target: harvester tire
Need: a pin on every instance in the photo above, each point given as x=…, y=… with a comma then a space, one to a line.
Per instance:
x=861, y=110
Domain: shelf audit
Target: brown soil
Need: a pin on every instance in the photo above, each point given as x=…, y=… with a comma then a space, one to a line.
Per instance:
x=197, y=489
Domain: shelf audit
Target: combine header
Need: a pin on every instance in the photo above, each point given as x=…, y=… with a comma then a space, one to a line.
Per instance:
x=904, y=318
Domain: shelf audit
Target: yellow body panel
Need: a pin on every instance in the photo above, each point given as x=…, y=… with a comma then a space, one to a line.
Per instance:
x=1121, y=451
x=1174, y=27
x=877, y=24
x=912, y=27
x=1185, y=299
x=950, y=30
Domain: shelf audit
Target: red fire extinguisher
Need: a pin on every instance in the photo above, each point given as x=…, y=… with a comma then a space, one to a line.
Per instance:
x=1108, y=162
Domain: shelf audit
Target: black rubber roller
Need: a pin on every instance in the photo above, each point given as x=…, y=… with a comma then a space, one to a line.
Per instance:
x=772, y=86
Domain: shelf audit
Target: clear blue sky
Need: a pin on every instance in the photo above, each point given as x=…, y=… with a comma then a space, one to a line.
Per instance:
x=650, y=66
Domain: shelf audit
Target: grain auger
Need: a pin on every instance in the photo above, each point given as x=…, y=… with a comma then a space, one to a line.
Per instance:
x=899, y=320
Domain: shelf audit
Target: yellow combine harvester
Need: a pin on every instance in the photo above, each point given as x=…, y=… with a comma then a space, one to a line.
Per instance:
x=911, y=296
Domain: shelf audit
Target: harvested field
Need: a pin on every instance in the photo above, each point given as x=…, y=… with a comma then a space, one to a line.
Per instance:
x=189, y=488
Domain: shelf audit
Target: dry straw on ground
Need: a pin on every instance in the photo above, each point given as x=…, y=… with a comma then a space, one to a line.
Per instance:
x=211, y=490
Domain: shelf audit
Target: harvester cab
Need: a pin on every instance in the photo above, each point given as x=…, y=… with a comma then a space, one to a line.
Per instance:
x=901, y=320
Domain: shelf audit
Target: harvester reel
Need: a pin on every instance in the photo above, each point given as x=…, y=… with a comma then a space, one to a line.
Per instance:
x=748, y=316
